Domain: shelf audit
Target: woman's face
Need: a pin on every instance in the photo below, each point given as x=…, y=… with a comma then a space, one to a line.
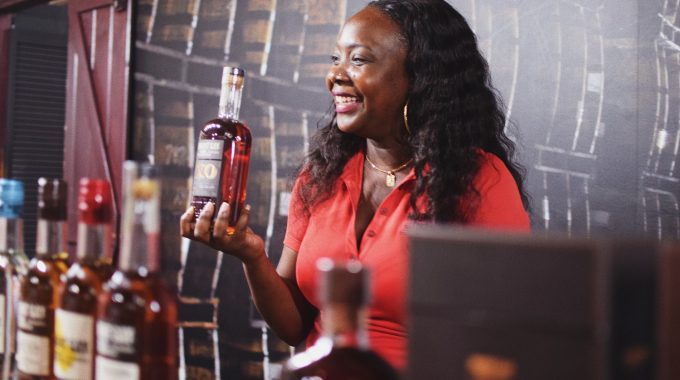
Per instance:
x=368, y=76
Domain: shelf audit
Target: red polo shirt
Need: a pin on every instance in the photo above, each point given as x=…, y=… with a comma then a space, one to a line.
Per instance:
x=329, y=232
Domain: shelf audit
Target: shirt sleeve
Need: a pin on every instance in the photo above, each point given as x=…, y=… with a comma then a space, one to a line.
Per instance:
x=298, y=219
x=500, y=205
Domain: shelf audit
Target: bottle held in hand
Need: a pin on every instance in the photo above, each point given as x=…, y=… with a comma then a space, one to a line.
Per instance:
x=223, y=153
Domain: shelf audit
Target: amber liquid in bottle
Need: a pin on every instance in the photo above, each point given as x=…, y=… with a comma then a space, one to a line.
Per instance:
x=342, y=352
x=39, y=291
x=75, y=317
x=223, y=153
x=136, y=325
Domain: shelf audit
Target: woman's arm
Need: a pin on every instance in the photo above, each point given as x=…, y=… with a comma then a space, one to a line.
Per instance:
x=276, y=295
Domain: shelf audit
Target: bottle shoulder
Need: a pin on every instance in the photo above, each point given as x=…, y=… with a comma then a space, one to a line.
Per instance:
x=341, y=362
x=225, y=129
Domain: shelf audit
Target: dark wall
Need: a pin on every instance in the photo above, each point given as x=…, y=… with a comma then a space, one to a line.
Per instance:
x=591, y=88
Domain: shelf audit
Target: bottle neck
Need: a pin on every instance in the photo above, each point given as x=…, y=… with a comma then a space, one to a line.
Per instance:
x=11, y=236
x=344, y=325
x=94, y=241
x=141, y=251
x=230, y=101
x=140, y=248
x=51, y=237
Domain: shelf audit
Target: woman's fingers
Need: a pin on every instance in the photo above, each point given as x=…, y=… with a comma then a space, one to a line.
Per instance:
x=186, y=223
x=222, y=222
x=243, y=220
x=202, y=229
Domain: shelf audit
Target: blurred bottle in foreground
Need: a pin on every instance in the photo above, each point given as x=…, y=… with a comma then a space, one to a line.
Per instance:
x=136, y=325
x=342, y=352
x=75, y=316
x=13, y=261
x=39, y=290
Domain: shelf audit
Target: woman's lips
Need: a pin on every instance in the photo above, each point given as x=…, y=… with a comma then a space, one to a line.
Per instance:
x=346, y=104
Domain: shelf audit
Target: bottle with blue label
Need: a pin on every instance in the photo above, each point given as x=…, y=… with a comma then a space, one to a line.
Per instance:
x=13, y=261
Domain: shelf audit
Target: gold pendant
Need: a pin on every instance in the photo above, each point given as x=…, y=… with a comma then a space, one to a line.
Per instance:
x=390, y=179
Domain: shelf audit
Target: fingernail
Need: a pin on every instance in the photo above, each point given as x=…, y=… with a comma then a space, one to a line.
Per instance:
x=223, y=207
x=208, y=207
x=247, y=208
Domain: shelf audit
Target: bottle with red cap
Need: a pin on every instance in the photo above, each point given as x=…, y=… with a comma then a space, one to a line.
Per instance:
x=342, y=352
x=39, y=288
x=136, y=326
x=77, y=308
x=13, y=261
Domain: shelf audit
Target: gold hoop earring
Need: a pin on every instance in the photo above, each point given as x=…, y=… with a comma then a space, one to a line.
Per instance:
x=408, y=130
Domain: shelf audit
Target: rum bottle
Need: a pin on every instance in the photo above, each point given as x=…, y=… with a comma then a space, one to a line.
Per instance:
x=342, y=352
x=75, y=316
x=136, y=326
x=39, y=289
x=13, y=261
x=223, y=152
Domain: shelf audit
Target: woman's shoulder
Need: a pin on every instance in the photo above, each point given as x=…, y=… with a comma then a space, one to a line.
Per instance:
x=492, y=167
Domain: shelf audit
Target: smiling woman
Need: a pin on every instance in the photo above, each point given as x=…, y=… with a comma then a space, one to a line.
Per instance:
x=416, y=134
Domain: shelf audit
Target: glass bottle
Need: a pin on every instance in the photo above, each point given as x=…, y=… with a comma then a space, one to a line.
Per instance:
x=223, y=152
x=75, y=316
x=136, y=326
x=342, y=352
x=39, y=289
x=13, y=261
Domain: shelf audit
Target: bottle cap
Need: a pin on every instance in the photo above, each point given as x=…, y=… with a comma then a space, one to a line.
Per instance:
x=233, y=76
x=342, y=282
x=11, y=198
x=52, y=199
x=95, y=205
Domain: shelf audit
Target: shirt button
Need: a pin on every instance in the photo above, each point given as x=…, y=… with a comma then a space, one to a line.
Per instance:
x=383, y=211
x=371, y=233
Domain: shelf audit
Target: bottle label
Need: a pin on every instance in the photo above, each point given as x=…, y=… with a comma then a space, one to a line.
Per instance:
x=73, y=340
x=33, y=354
x=116, y=341
x=32, y=318
x=2, y=323
x=208, y=168
x=109, y=369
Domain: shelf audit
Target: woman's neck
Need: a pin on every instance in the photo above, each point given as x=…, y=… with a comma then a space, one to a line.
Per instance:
x=387, y=155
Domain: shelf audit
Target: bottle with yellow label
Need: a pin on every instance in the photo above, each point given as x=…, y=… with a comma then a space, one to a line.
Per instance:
x=75, y=316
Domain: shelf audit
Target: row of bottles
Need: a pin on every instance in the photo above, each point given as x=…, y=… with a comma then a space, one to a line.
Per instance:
x=86, y=321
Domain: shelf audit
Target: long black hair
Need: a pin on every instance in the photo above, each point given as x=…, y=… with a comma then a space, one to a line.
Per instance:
x=453, y=113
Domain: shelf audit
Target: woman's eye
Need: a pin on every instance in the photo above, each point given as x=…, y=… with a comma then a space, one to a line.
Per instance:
x=335, y=58
x=358, y=60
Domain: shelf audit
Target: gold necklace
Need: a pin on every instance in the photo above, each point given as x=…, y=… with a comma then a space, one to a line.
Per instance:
x=390, y=177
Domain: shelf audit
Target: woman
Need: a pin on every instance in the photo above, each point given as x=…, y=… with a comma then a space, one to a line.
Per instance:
x=417, y=134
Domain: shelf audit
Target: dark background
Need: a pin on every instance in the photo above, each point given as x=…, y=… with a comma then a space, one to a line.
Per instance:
x=591, y=88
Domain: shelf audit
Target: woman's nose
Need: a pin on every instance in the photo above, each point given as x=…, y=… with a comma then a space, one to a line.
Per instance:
x=337, y=74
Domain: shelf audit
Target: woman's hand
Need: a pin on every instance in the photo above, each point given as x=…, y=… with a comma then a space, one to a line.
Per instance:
x=242, y=243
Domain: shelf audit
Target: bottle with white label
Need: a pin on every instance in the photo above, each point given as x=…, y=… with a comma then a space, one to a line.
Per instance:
x=136, y=324
x=74, y=335
x=12, y=262
x=39, y=289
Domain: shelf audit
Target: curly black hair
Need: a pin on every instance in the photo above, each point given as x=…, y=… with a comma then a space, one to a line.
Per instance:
x=453, y=113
